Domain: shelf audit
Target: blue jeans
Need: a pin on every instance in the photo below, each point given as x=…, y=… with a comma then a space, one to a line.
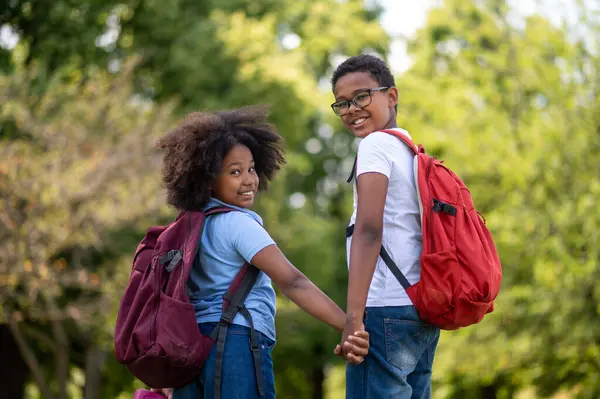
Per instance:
x=238, y=374
x=400, y=356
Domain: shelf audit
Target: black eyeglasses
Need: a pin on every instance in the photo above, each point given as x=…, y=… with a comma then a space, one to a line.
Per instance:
x=361, y=100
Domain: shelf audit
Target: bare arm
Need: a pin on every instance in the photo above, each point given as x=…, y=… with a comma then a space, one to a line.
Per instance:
x=366, y=243
x=298, y=288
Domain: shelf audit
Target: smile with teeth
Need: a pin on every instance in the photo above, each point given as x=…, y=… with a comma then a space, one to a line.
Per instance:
x=247, y=194
x=358, y=121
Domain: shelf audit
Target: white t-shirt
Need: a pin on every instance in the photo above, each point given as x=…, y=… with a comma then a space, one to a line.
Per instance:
x=383, y=153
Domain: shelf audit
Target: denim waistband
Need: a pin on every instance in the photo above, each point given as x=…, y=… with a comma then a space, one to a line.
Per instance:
x=408, y=312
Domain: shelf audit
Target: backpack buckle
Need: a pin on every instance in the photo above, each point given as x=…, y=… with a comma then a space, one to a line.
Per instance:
x=228, y=315
x=442, y=206
x=172, y=257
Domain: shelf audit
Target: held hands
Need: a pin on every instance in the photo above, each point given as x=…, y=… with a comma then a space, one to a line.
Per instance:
x=354, y=346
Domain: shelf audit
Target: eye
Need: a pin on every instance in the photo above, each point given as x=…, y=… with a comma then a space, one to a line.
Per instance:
x=236, y=172
x=361, y=96
x=252, y=169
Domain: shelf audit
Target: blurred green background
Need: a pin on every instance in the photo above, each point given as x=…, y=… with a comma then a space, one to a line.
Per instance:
x=505, y=92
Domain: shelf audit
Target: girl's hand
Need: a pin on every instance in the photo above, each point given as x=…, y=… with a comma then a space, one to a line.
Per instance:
x=355, y=348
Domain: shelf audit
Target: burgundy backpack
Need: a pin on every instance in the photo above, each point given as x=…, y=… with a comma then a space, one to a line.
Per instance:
x=156, y=334
x=460, y=268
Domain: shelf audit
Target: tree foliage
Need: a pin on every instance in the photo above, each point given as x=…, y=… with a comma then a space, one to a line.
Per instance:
x=510, y=103
x=77, y=171
x=513, y=108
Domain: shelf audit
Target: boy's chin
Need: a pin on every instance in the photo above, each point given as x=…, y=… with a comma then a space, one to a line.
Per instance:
x=361, y=132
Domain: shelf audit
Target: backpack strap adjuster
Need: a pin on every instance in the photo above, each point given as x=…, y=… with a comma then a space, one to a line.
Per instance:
x=444, y=207
x=173, y=257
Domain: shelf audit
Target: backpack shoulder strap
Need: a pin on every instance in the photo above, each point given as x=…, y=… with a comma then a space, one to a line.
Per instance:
x=233, y=303
x=395, y=133
x=218, y=209
x=353, y=172
x=404, y=139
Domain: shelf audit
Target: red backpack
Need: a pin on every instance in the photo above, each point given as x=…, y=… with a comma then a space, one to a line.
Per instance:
x=460, y=268
x=156, y=334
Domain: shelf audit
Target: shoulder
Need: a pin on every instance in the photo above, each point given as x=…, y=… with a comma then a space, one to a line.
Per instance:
x=383, y=138
x=237, y=229
x=235, y=220
x=377, y=140
x=243, y=231
x=377, y=143
x=382, y=143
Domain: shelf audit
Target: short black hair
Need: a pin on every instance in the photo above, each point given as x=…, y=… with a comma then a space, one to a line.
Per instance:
x=194, y=152
x=378, y=69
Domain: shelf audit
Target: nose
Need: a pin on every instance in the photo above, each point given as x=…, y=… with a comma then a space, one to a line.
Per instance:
x=353, y=108
x=249, y=180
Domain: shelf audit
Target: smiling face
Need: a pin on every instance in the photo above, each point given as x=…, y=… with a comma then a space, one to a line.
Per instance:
x=378, y=115
x=237, y=183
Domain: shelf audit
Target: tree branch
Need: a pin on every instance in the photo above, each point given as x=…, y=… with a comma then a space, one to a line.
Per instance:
x=94, y=363
x=62, y=348
x=30, y=359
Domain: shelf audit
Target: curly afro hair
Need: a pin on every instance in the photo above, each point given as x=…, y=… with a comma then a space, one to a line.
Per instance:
x=194, y=152
x=365, y=63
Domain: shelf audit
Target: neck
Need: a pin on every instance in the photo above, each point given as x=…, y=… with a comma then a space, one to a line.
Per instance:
x=392, y=123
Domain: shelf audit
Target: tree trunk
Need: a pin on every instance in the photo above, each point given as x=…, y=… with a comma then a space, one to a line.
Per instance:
x=94, y=365
x=13, y=369
x=489, y=392
x=318, y=374
x=318, y=378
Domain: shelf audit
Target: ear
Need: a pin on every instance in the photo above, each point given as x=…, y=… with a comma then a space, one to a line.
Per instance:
x=392, y=96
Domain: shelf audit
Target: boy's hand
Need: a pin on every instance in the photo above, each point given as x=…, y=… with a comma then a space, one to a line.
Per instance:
x=353, y=325
x=355, y=348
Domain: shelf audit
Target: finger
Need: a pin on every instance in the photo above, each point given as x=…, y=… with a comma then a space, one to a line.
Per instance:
x=357, y=341
x=361, y=334
x=357, y=350
x=354, y=359
x=338, y=350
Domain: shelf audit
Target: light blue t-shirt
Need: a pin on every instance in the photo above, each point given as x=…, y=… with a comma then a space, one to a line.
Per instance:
x=228, y=241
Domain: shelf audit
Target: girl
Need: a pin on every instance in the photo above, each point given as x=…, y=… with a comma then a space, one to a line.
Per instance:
x=220, y=159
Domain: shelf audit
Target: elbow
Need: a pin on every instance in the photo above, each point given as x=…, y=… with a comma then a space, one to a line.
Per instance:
x=295, y=282
x=369, y=233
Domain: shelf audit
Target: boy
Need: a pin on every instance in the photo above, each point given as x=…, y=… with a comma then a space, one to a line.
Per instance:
x=386, y=212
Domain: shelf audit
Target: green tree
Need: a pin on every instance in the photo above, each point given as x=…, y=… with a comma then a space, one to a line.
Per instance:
x=54, y=33
x=204, y=55
x=78, y=173
x=512, y=106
